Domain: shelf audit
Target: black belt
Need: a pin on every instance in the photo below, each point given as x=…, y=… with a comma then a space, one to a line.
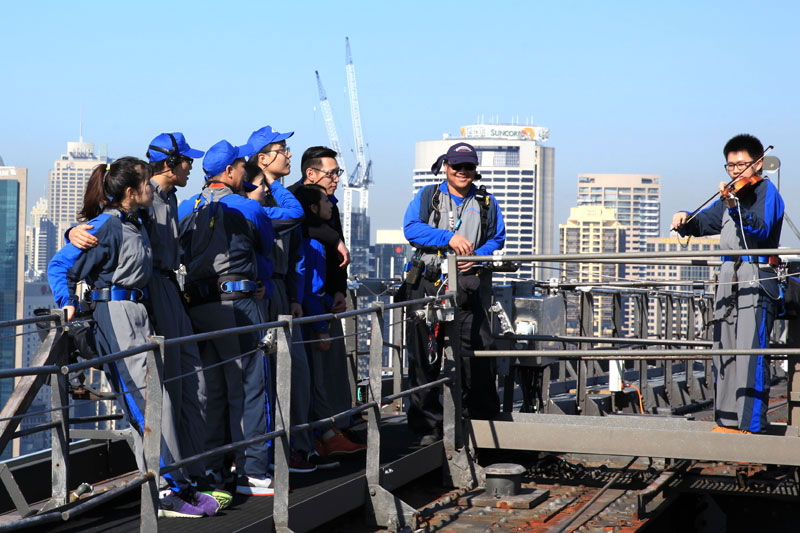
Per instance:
x=113, y=294
x=222, y=289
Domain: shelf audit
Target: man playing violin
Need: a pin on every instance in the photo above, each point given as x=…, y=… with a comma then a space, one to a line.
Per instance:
x=748, y=215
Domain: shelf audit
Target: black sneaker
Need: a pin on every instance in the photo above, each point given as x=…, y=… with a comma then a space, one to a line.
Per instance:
x=321, y=462
x=431, y=438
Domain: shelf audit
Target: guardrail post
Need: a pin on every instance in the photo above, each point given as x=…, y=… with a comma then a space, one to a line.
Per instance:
x=283, y=396
x=151, y=445
x=59, y=402
x=584, y=405
x=351, y=345
x=398, y=321
x=691, y=380
x=383, y=508
x=708, y=334
x=616, y=367
x=669, y=381
x=642, y=333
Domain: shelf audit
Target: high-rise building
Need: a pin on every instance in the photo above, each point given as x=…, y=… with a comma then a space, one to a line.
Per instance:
x=678, y=273
x=67, y=183
x=13, y=201
x=518, y=171
x=592, y=229
x=40, y=241
x=636, y=199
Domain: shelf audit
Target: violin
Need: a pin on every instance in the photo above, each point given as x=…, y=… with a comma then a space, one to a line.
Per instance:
x=737, y=186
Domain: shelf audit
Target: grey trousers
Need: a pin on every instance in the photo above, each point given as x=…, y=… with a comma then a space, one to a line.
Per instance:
x=235, y=394
x=121, y=325
x=182, y=395
x=301, y=374
x=742, y=382
x=329, y=379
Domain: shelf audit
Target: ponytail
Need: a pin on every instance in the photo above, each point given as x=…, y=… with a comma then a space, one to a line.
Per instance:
x=108, y=183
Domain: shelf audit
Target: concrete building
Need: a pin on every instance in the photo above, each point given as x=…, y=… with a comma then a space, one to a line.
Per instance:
x=40, y=241
x=67, y=183
x=519, y=171
x=592, y=229
x=636, y=199
x=13, y=202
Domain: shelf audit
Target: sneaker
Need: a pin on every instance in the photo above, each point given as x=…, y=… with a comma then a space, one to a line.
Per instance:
x=205, y=502
x=219, y=479
x=223, y=497
x=297, y=464
x=725, y=429
x=255, y=486
x=321, y=462
x=430, y=438
x=338, y=444
x=170, y=505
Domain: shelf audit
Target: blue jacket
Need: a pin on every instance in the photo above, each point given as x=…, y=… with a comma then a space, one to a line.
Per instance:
x=314, y=298
x=223, y=233
x=288, y=213
x=123, y=258
x=421, y=233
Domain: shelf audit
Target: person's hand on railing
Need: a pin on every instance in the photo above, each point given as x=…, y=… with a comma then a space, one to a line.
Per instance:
x=296, y=310
x=460, y=245
x=345, y=253
x=339, y=303
x=324, y=343
x=70, y=309
x=464, y=266
x=80, y=237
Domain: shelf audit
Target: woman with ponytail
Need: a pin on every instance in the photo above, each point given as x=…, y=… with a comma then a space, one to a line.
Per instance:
x=117, y=271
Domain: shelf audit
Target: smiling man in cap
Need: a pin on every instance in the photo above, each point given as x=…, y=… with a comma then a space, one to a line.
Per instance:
x=221, y=234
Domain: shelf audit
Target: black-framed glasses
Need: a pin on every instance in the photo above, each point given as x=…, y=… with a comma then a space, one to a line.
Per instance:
x=335, y=173
x=468, y=167
x=739, y=165
x=187, y=159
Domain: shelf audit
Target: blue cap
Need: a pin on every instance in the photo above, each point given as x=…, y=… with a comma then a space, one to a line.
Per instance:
x=164, y=142
x=266, y=135
x=223, y=154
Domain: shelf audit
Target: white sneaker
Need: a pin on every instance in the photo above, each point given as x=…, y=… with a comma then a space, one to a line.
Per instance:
x=255, y=486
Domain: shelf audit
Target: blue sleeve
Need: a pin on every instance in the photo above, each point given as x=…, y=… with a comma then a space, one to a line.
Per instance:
x=301, y=273
x=289, y=212
x=760, y=218
x=293, y=272
x=706, y=222
x=419, y=232
x=315, y=283
x=264, y=235
x=71, y=264
x=498, y=240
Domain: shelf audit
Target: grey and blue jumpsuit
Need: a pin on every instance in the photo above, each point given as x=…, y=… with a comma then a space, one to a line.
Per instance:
x=221, y=235
x=122, y=262
x=745, y=302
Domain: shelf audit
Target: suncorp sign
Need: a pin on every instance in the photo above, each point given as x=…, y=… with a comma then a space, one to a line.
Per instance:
x=505, y=131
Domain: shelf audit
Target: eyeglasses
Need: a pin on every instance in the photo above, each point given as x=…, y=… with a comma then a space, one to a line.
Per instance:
x=740, y=165
x=188, y=160
x=335, y=173
x=468, y=167
x=284, y=151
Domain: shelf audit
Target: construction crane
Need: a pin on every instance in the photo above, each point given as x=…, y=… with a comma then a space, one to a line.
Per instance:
x=327, y=115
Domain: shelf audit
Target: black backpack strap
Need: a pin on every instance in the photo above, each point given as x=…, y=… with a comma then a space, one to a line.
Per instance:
x=429, y=201
x=485, y=202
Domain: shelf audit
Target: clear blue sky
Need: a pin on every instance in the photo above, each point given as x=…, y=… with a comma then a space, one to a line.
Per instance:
x=623, y=86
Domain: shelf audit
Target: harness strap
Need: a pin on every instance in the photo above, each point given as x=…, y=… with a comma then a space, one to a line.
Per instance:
x=115, y=293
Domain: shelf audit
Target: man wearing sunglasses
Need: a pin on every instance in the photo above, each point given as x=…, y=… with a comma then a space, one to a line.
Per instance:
x=747, y=290
x=457, y=217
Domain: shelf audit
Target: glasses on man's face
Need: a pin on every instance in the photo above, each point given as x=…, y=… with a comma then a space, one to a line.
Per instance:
x=467, y=167
x=739, y=165
x=334, y=173
x=189, y=160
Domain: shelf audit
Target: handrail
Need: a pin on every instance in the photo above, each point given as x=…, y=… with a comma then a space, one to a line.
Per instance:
x=625, y=257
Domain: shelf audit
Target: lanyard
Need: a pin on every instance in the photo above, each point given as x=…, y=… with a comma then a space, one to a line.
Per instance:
x=455, y=224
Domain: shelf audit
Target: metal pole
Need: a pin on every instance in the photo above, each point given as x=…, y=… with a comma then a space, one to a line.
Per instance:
x=398, y=319
x=642, y=333
x=60, y=440
x=587, y=330
x=283, y=409
x=351, y=345
x=669, y=381
x=151, y=446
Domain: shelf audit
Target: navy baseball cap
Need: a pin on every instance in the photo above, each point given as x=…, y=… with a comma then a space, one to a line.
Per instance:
x=457, y=154
x=222, y=154
x=164, y=142
x=266, y=135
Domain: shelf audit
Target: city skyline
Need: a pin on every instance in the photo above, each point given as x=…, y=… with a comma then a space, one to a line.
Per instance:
x=627, y=88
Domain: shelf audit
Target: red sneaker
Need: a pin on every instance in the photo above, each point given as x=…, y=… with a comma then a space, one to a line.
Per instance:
x=338, y=444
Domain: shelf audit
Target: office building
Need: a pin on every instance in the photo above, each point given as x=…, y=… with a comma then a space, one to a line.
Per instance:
x=519, y=171
x=592, y=229
x=67, y=183
x=40, y=241
x=13, y=201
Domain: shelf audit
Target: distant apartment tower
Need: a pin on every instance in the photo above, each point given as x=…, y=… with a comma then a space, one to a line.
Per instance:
x=592, y=229
x=67, y=183
x=518, y=171
x=636, y=198
x=40, y=241
x=13, y=201
x=678, y=273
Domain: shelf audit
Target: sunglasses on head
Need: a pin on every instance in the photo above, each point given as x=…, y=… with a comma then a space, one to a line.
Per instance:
x=469, y=167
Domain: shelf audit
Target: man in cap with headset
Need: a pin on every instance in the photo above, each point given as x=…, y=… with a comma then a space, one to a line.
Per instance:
x=453, y=216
